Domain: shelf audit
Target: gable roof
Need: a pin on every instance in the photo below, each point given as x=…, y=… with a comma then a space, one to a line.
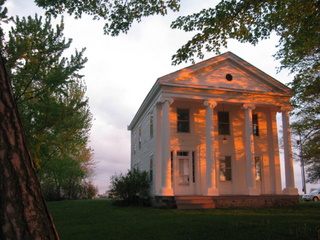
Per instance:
x=212, y=73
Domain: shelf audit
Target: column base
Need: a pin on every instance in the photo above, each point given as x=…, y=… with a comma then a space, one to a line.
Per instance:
x=166, y=192
x=212, y=192
x=252, y=192
x=290, y=191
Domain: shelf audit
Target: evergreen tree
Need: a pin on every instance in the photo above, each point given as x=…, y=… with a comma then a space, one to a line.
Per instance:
x=50, y=94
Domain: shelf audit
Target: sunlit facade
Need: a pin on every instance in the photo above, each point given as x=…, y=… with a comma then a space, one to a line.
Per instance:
x=211, y=130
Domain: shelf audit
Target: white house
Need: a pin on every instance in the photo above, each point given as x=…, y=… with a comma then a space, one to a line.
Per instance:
x=208, y=134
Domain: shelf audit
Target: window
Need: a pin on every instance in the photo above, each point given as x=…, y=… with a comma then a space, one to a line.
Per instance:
x=151, y=169
x=257, y=166
x=139, y=138
x=225, y=168
x=223, y=123
x=179, y=153
x=183, y=123
x=151, y=125
x=255, y=125
x=136, y=166
x=229, y=77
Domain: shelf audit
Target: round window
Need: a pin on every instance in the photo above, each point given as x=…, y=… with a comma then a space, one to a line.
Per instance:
x=229, y=77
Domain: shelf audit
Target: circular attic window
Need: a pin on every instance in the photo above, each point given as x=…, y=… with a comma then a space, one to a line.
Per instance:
x=229, y=77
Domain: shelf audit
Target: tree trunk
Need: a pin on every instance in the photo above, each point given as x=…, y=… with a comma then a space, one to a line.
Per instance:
x=23, y=210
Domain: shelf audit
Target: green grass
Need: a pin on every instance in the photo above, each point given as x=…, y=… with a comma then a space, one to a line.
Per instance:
x=99, y=219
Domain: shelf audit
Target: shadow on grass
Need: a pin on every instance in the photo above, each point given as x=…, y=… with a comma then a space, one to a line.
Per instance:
x=100, y=219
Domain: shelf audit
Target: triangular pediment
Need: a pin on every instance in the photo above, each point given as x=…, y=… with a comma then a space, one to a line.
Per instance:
x=226, y=71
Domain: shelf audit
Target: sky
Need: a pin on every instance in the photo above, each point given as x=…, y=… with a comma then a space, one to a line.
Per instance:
x=121, y=70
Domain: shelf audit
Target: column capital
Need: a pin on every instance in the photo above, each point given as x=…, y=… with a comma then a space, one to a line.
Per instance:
x=210, y=103
x=285, y=108
x=249, y=106
x=169, y=100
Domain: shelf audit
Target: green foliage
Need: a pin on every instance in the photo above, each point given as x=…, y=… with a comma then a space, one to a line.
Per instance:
x=50, y=93
x=119, y=15
x=307, y=131
x=306, y=103
x=296, y=22
x=34, y=56
x=3, y=17
x=131, y=186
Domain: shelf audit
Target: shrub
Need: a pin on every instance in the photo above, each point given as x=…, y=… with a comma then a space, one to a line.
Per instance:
x=131, y=187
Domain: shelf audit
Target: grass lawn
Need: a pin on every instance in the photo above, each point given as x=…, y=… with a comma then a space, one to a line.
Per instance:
x=99, y=219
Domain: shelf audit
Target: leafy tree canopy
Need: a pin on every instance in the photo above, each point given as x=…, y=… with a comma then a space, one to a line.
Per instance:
x=296, y=22
x=118, y=14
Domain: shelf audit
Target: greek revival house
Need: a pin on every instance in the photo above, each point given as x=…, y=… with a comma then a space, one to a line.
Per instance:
x=208, y=136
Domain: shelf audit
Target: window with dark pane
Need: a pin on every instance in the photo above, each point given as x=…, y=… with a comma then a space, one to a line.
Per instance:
x=255, y=125
x=151, y=125
x=183, y=123
x=140, y=140
x=151, y=169
x=180, y=153
x=223, y=123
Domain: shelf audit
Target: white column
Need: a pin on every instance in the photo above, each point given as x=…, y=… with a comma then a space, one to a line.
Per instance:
x=273, y=154
x=249, y=149
x=288, y=162
x=166, y=185
x=211, y=179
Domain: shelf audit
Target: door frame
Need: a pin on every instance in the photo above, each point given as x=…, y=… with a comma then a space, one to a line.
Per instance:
x=180, y=189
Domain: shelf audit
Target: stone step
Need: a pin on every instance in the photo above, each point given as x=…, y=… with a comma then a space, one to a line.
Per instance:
x=194, y=202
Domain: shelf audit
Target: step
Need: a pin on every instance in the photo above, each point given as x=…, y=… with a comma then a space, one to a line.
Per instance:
x=195, y=206
x=194, y=202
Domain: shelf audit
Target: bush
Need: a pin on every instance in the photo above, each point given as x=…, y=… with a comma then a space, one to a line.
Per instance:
x=71, y=190
x=132, y=187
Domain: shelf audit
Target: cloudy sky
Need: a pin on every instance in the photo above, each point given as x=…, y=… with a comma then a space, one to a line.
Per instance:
x=121, y=70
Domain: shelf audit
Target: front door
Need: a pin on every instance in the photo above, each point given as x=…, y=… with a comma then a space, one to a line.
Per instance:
x=185, y=173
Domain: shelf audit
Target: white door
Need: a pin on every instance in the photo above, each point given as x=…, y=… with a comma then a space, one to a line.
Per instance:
x=185, y=173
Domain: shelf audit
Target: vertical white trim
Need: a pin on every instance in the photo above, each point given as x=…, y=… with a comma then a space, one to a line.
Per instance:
x=211, y=179
x=273, y=154
x=288, y=162
x=249, y=149
x=166, y=185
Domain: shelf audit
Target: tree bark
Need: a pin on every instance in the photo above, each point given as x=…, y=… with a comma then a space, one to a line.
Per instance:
x=23, y=211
